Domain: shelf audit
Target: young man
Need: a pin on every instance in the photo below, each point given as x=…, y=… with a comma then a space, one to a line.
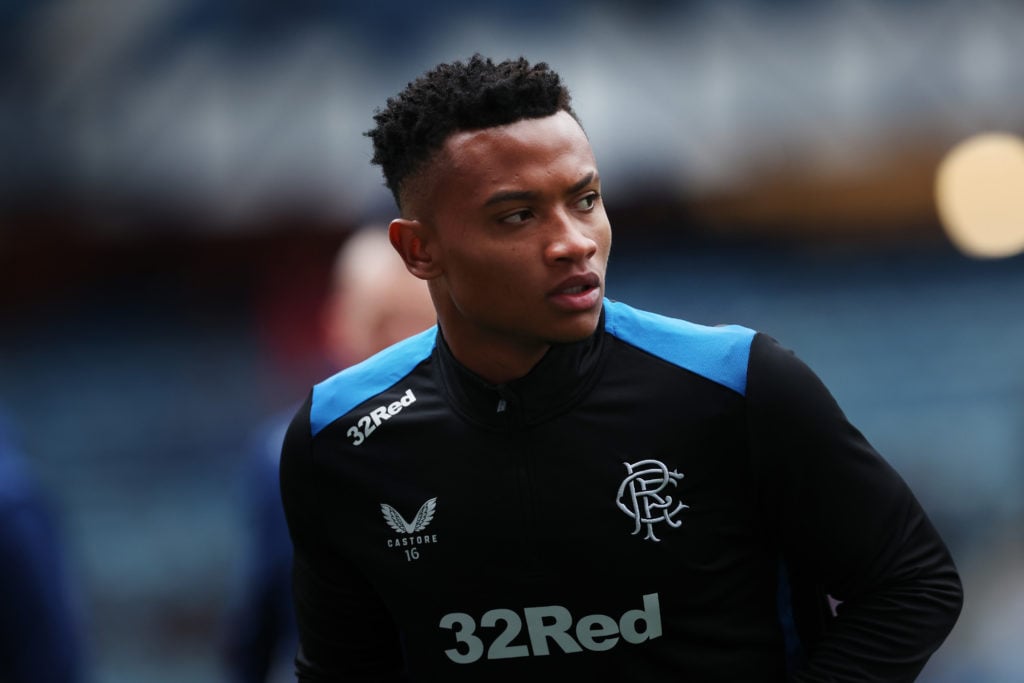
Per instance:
x=553, y=484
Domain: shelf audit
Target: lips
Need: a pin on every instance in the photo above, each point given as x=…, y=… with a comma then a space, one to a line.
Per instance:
x=577, y=284
x=577, y=294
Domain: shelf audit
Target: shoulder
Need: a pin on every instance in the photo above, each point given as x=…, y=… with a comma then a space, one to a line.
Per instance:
x=718, y=353
x=337, y=395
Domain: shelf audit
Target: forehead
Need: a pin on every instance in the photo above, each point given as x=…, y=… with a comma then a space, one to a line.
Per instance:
x=524, y=152
x=558, y=129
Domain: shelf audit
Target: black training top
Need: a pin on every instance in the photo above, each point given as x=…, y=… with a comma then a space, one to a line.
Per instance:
x=645, y=505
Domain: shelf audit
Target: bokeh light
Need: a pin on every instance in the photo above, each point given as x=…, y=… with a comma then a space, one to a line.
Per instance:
x=980, y=195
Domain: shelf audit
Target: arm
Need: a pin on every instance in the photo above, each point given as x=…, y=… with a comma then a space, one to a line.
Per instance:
x=848, y=527
x=345, y=631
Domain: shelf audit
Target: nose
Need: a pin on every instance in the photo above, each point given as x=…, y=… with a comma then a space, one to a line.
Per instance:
x=571, y=239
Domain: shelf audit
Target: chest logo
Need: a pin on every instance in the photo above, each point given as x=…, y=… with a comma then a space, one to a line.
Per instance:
x=419, y=522
x=412, y=533
x=643, y=497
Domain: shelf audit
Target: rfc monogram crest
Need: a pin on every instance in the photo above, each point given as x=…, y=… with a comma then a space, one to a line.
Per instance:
x=642, y=496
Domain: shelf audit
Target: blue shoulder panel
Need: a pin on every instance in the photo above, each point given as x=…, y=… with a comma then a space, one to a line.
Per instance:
x=342, y=392
x=719, y=354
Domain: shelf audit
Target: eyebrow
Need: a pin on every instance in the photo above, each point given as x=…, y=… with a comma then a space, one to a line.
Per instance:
x=517, y=195
x=509, y=195
x=583, y=182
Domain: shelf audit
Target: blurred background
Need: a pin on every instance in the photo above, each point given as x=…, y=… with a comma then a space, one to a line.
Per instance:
x=176, y=175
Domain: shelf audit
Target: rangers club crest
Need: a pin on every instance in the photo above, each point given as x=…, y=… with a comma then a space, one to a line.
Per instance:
x=643, y=497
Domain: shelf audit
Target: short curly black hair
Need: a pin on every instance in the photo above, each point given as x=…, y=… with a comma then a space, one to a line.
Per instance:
x=455, y=97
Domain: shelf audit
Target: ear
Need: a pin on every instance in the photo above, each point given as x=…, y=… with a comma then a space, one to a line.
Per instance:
x=411, y=239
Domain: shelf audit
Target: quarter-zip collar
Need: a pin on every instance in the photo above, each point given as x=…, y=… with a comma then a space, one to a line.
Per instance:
x=556, y=383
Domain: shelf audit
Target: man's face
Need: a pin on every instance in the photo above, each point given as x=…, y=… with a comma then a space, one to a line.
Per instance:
x=521, y=236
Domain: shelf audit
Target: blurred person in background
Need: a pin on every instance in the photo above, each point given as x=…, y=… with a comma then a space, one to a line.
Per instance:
x=373, y=302
x=552, y=485
x=41, y=636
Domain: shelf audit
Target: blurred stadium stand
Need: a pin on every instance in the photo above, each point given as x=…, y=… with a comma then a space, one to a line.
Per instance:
x=177, y=175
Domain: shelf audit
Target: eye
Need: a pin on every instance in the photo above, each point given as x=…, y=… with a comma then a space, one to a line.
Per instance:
x=517, y=217
x=588, y=202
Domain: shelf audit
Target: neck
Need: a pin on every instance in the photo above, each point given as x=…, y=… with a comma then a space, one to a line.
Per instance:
x=496, y=361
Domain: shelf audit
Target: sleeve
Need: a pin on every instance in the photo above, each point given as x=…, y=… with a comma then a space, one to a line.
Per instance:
x=345, y=630
x=850, y=531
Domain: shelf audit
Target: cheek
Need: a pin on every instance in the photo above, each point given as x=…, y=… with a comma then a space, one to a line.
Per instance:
x=606, y=227
x=500, y=275
x=603, y=238
x=492, y=265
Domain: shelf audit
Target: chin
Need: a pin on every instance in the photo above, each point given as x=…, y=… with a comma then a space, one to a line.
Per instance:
x=576, y=331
